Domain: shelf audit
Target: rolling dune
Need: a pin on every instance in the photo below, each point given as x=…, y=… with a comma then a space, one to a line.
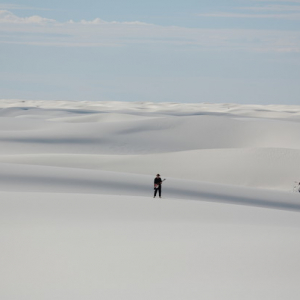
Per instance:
x=78, y=218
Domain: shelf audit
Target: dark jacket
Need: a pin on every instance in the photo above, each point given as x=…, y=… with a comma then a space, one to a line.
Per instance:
x=157, y=180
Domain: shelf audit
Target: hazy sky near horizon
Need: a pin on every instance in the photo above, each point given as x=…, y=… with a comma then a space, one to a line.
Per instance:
x=242, y=51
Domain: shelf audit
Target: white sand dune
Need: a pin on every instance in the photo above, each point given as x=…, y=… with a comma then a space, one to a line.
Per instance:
x=268, y=168
x=78, y=220
x=65, y=180
x=73, y=246
x=158, y=135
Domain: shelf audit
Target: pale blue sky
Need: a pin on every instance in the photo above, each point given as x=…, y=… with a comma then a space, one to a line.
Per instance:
x=242, y=51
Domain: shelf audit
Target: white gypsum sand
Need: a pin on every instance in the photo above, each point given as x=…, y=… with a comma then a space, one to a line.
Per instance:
x=78, y=220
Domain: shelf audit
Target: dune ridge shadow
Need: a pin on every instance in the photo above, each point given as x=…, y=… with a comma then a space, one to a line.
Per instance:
x=56, y=179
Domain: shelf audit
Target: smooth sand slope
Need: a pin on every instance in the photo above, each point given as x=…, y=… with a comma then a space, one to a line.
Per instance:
x=78, y=220
x=74, y=246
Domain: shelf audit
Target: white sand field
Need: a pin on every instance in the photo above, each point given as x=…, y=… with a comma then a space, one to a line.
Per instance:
x=78, y=218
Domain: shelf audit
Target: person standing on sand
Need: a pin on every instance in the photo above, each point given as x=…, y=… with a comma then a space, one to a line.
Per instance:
x=157, y=185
